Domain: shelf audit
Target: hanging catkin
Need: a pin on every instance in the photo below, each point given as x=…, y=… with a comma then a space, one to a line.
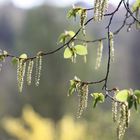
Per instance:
x=38, y=68
x=114, y=111
x=29, y=72
x=112, y=51
x=123, y=120
x=99, y=55
x=83, y=18
x=21, y=67
x=82, y=90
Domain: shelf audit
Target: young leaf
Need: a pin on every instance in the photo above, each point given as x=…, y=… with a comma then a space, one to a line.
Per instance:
x=101, y=98
x=73, y=12
x=123, y=95
x=97, y=97
x=23, y=56
x=66, y=35
x=137, y=94
x=81, y=50
x=70, y=33
x=72, y=87
x=68, y=53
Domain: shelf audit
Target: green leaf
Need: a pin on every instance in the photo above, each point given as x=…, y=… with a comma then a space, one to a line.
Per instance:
x=14, y=61
x=72, y=87
x=68, y=53
x=80, y=49
x=137, y=94
x=97, y=97
x=70, y=33
x=122, y=95
x=101, y=98
x=67, y=34
x=23, y=56
x=73, y=12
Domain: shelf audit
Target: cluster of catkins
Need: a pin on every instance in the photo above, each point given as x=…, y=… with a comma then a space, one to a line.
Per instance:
x=121, y=116
x=100, y=7
x=21, y=70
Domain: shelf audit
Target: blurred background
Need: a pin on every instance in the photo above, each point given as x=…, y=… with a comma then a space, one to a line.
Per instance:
x=45, y=112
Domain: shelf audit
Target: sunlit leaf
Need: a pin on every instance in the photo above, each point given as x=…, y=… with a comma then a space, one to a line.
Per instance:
x=122, y=95
x=81, y=50
x=68, y=53
x=73, y=12
x=70, y=33
x=23, y=56
x=66, y=35
x=97, y=97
